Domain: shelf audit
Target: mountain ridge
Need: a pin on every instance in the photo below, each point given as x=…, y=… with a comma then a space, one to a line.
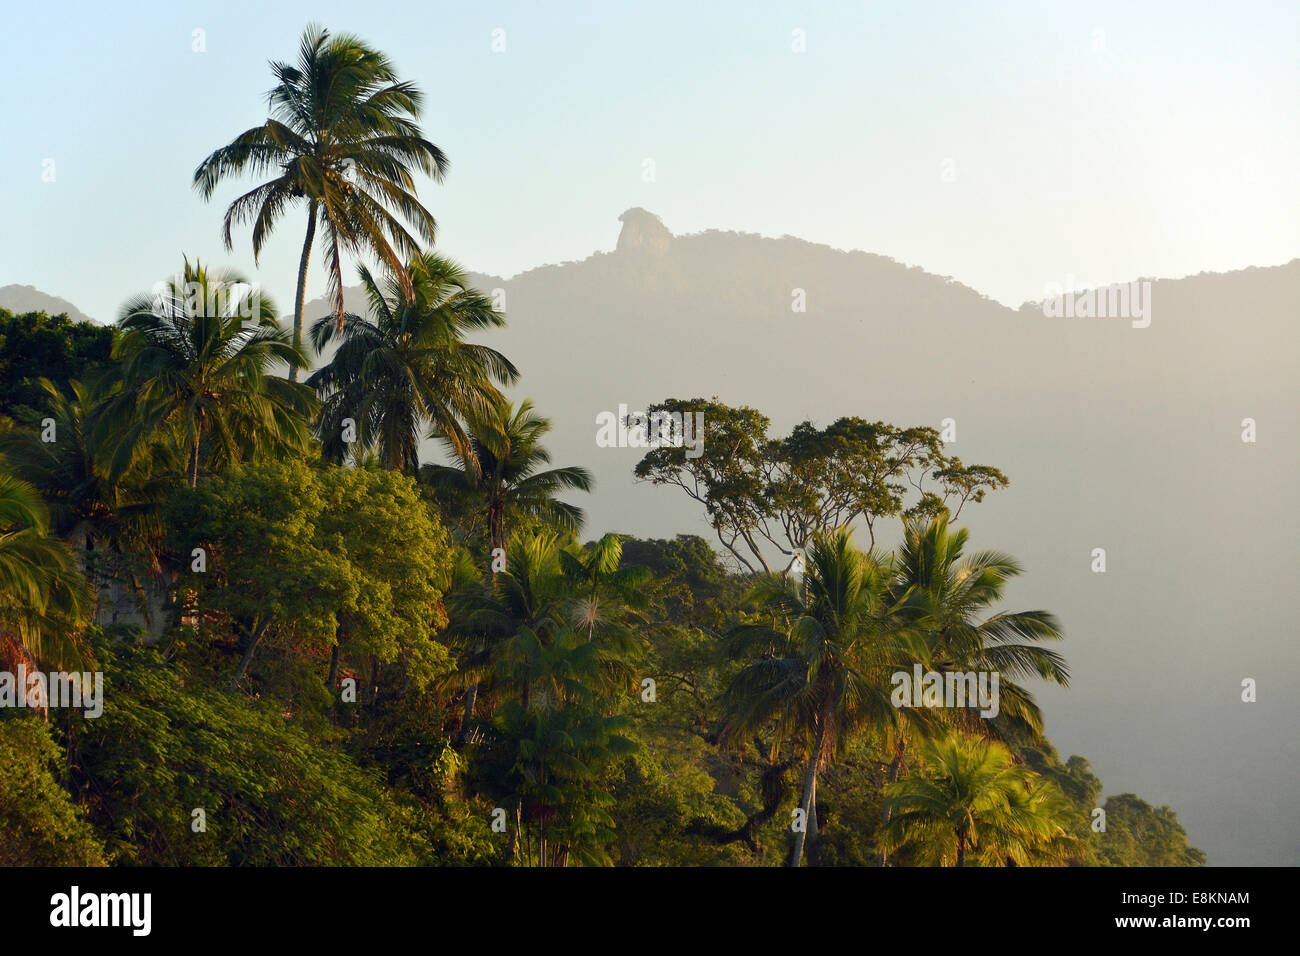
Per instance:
x=27, y=298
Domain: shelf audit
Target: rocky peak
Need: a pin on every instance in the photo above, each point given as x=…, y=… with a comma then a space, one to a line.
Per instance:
x=643, y=233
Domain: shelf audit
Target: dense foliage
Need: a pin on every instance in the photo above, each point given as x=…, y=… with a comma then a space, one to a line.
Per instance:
x=34, y=345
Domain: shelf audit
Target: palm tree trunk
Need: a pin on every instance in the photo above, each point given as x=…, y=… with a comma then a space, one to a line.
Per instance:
x=496, y=525
x=302, y=284
x=15, y=655
x=809, y=794
x=882, y=858
x=199, y=422
x=496, y=537
x=809, y=797
x=471, y=698
x=194, y=461
x=961, y=849
x=519, y=826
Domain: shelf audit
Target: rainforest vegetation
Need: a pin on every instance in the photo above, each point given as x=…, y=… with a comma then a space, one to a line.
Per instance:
x=322, y=644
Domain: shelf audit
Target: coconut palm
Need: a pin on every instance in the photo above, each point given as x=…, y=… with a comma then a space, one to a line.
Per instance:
x=343, y=137
x=89, y=502
x=946, y=599
x=972, y=799
x=113, y=513
x=44, y=600
x=407, y=369
x=531, y=591
x=502, y=468
x=1040, y=829
x=196, y=358
x=823, y=663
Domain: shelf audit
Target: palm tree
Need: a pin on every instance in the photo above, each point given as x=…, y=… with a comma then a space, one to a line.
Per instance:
x=89, y=501
x=501, y=466
x=342, y=135
x=546, y=742
x=545, y=752
x=195, y=360
x=525, y=599
x=943, y=595
x=823, y=662
x=544, y=592
x=44, y=600
x=408, y=368
x=597, y=573
x=975, y=799
x=110, y=507
x=531, y=592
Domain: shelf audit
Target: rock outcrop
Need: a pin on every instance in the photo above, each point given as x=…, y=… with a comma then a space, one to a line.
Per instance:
x=643, y=233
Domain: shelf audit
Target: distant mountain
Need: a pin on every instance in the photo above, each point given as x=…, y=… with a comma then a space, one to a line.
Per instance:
x=714, y=314
x=26, y=298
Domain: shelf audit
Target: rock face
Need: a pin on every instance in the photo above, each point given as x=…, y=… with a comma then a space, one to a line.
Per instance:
x=643, y=233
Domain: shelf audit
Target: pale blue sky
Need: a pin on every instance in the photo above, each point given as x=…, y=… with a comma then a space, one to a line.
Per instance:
x=1128, y=139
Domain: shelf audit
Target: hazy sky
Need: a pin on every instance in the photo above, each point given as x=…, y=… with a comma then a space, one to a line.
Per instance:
x=1129, y=139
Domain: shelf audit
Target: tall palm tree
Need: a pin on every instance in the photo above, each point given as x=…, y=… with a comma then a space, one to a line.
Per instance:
x=407, y=368
x=946, y=599
x=502, y=466
x=974, y=799
x=343, y=136
x=823, y=663
x=44, y=600
x=195, y=359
